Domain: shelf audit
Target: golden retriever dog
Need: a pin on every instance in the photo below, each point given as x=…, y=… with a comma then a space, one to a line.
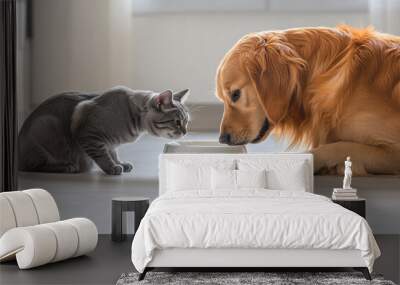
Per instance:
x=335, y=91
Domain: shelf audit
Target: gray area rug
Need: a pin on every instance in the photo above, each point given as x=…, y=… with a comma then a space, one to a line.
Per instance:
x=269, y=278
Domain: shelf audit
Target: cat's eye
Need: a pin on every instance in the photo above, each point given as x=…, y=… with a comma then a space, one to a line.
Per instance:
x=178, y=123
x=235, y=95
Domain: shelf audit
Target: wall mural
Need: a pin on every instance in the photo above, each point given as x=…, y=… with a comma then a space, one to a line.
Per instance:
x=337, y=91
x=334, y=90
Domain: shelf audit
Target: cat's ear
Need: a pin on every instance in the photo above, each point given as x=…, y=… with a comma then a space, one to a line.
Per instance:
x=164, y=98
x=181, y=96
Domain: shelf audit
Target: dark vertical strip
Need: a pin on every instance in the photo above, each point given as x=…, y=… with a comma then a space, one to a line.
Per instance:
x=116, y=220
x=8, y=96
x=29, y=19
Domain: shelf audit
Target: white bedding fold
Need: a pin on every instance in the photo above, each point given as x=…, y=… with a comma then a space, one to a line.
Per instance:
x=250, y=219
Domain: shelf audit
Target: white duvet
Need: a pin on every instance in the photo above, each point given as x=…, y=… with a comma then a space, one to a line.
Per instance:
x=250, y=219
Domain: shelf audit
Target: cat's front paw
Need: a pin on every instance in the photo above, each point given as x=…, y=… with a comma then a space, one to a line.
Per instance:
x=73, y=169
x=127, y=167
x=115, y=170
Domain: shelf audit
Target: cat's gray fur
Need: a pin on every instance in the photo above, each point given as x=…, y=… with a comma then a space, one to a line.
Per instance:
x=69, y=131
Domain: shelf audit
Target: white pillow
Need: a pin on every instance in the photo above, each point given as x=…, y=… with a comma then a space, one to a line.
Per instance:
x=225, y=179
x=291, y=179
x=282, y=174
x=181, y=177
x=251, y=178
x=184, y=175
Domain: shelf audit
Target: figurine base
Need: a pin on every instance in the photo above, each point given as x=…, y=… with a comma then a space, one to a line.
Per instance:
x=345, y=190
x=344, y=194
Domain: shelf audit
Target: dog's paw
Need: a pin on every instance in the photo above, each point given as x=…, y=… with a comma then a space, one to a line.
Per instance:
x=328, y=162
x=320, y=164
x=127, y=167
x=324, y=162
x=326, y=171
x=115, y=170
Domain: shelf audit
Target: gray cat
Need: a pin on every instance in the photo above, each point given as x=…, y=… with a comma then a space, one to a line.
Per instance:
x=68, y=131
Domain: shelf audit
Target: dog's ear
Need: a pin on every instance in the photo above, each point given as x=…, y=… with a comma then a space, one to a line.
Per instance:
x=275, y=70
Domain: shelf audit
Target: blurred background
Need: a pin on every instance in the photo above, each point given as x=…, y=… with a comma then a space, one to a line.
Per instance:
x=92, y=45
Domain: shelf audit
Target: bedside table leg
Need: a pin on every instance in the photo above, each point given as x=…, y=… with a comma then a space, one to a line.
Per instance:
x=116, y=222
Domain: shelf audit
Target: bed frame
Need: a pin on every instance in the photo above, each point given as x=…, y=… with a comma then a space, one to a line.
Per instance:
x=236, y=259
x=261, y=259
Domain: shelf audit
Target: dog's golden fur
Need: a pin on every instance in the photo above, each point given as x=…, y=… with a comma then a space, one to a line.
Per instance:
x=336, y=91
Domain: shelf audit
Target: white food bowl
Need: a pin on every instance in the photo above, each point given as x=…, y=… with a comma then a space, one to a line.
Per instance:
x=202, y=147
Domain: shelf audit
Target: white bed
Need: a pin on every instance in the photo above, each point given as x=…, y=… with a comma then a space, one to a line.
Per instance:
x=200, y=220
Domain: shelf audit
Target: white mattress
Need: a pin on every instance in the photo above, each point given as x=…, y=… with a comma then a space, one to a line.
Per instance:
x=250, y=219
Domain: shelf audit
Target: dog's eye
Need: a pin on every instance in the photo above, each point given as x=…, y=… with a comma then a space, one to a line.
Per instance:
x=235, y=95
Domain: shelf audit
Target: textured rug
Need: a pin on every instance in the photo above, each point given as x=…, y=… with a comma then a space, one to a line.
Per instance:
x=243, y=278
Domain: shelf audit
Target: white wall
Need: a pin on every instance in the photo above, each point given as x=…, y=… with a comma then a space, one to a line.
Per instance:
x=183, y=50
x=95, y=44
x=70, y=46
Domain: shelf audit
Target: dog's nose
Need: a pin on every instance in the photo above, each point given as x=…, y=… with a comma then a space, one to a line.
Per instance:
x=225, y=138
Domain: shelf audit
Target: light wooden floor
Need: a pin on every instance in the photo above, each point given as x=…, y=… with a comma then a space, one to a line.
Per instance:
x=110, y=260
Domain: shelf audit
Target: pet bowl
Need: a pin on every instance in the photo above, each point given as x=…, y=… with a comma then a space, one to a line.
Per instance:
x=202, y=147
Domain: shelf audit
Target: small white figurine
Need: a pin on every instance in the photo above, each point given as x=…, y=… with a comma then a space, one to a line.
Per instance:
x=347, y=174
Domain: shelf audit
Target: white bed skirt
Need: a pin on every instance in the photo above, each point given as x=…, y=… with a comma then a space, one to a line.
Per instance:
x=235, y=257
